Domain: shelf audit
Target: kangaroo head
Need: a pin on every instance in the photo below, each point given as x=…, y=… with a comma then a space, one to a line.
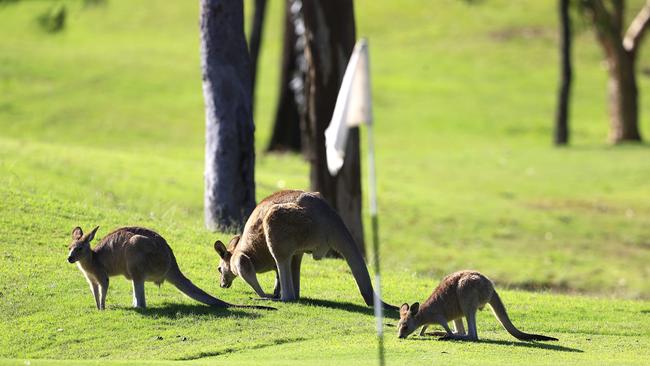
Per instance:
x=80, y=246
x=407, y=324
x=227, y=275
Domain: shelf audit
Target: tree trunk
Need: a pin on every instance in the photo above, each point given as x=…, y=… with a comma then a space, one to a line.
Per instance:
x=620, y=52
x=623, y=97
x=561, y=135
x=256, y=37
x=330, y=34
x=286, y=128
x=229, y=132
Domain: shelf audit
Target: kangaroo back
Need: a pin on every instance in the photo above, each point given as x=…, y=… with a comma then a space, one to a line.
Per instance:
x=500, y=312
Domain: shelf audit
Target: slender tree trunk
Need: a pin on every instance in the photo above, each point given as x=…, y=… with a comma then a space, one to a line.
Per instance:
x=561, y=135
x=623, y=98
x=286, y=128
x=256, y=37
x=330, y=34
x=229, y=132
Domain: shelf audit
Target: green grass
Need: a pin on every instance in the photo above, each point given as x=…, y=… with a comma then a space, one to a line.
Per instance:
x=102, y=124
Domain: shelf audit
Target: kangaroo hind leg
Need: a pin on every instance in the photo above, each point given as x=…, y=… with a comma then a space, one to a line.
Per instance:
x=470, y=314
x=295, y=273
x=287, y=290
x=468, y=306
x=285, y=225
x=138, y=294
x=285, y=274
x=459, y=327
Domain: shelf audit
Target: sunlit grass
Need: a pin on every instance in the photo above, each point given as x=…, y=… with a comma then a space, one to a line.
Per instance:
x=102, y=124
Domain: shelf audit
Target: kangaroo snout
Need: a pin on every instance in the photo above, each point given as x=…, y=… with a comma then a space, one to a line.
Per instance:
x=70, y=260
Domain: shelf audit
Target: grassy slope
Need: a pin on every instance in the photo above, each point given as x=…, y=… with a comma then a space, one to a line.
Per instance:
x=99, y=126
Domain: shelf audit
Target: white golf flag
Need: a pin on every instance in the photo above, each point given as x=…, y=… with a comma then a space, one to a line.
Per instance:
x=353, y=106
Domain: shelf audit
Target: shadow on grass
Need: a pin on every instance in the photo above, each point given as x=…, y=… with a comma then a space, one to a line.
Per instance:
x=540, y=345
x=175, y=311
x=225, y=351
x=547, y=346
x=347, y=306
x=645, y=311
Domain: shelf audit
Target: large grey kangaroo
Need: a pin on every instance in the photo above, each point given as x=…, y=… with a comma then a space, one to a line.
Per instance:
x=138, y=254
x=280, y=229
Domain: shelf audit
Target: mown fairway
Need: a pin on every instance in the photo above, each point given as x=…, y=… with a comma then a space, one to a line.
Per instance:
x=102, y=124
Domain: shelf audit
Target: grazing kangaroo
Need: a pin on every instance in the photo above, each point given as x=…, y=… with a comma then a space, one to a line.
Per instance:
x=139, y=255
x=459, y=295
x=280, y=229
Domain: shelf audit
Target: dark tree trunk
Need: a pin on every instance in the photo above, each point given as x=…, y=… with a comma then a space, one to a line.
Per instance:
x=256, y=37
x=229, y=132
x=561, y=135
x=330, y=34
x=286, y=128
x=623, y=98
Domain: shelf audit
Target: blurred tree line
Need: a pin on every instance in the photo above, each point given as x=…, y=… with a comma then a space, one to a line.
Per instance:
x=318, y=40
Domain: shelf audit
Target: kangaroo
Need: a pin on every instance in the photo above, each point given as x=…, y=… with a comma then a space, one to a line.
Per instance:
x=138, y=254
x=459, y=295
x=280, y=229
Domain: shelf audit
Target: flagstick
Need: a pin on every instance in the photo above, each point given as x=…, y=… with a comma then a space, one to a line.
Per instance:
x=372, y=183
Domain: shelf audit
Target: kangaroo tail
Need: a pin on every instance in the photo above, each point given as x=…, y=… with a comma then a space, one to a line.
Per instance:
x=344, y=244
x=499, y=311
x=178, y=279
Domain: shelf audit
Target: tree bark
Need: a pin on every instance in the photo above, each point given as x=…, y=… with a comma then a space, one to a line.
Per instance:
x=229, y=132
x=620, y=53
x=623, y=98
x=561, y=135
x=286, y=134
x=330, y=34
x=256, y=38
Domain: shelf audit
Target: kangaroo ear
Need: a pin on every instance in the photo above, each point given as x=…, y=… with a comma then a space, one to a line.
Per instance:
x=415, y=307
x=403, y=310
x=77, y=233
x=220, y=248
x=233, y=242
x=91, y=235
